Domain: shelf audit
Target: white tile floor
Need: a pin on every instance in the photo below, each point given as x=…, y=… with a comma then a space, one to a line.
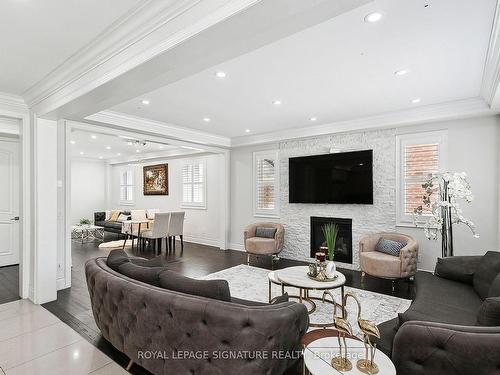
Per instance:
x=34, y=341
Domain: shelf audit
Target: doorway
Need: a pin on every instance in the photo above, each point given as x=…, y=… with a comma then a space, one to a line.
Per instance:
x=9, y=217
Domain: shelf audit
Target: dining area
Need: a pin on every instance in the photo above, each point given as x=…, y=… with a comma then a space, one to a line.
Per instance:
x=147, y=229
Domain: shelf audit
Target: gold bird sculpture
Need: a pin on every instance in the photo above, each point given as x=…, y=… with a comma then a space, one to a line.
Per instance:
x=369, y=329
x=342, y=325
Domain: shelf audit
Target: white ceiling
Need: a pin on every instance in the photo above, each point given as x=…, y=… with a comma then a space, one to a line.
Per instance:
x=38, y=35
x=340, y=69
x=95, y=146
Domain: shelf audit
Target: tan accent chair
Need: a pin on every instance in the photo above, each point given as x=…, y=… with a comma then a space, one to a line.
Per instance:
x=263, y=246
x=386, y=266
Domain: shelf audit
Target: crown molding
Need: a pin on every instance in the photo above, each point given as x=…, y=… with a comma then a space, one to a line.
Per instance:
x=491, y=75
x=12, y=103
x=146, y=31
x=157, y=128
x=471, y=107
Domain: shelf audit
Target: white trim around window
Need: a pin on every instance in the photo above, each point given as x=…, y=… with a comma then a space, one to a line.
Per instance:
x=404, y=142
x=127, y=187
x=194, y=184
x=266, y=187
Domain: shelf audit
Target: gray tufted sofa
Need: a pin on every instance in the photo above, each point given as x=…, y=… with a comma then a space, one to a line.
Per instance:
x=162, y=330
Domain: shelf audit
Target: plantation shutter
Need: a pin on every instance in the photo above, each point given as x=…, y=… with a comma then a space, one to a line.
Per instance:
x=420, y=161
x=193, y=184
x=266, y=183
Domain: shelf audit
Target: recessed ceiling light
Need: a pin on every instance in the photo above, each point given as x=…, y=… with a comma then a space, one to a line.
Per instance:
x=81, y=152
x=220, y=74
x=160, y=147
x=145, y=101
x=100, y=157
x=129, y=143
x=137, y=150
x=416, y=100
x=247, y=130
x=206, y=119
x=108, y=147
x=72, y=142
x=373, y=17
x=313, y=118
x=118, y=154
x=93, y=136
x=401, y=72
x=276, y=102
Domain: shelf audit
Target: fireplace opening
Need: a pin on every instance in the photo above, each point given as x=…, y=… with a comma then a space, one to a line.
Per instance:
x=343, y=246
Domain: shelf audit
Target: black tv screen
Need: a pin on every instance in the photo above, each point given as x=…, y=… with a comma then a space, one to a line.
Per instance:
x=345, y=177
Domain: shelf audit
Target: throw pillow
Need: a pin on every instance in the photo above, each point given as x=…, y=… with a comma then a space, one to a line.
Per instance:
x=495, y=287
x=459, y=268
x=389, y=246
x=121, y=218
x=488, y=269
x=280, y=299
x=116, y=258
x=216, y=289
x=265, y=232
x=489, y=312
x=114, y=215
x=148, y=275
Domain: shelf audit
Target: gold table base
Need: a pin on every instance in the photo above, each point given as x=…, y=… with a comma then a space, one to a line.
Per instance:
x=366, y=367
x=341, y=364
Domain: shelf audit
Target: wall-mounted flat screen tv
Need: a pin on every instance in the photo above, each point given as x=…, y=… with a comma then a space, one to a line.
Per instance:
x=344, y=177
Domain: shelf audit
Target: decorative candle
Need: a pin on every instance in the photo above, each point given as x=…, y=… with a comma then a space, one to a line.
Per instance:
x=320, y=256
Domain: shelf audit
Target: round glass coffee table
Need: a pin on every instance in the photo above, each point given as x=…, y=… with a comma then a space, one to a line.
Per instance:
x=318, y=357
x=297, y=277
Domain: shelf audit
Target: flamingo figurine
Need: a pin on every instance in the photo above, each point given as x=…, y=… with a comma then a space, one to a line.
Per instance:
x=369, y=329
x=341, y=324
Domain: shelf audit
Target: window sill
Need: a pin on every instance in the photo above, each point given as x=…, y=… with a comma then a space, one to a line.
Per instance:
x=193, y=206
x=127, y=203
x=269, y=216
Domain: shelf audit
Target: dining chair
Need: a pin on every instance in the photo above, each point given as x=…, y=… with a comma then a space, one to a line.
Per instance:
x=176, y=228
x=159, y=231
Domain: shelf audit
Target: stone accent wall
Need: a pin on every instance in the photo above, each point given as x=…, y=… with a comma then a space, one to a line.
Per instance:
x=366, y=219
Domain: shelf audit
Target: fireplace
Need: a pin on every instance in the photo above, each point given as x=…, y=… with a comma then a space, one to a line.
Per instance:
x=343, y=247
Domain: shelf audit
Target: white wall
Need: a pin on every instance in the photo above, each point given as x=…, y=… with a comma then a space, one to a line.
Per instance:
x=472, y=147
x=201, y=225
x=88, y=188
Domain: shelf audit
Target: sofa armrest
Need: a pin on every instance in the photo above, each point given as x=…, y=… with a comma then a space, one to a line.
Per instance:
x=279, y=237
x=368, y=243
x=459, y=268
x=249, y=232
x=435, y=348
x=409, y=259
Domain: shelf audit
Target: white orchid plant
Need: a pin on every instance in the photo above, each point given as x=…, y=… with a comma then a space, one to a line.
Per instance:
x=448, y=188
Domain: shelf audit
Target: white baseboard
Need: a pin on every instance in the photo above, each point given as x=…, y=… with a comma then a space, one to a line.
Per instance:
x=61, y=284
x=237, y=246
x=202, y=240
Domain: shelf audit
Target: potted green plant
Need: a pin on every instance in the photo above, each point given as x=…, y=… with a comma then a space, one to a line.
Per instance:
x=85, y=222
x=330, y=232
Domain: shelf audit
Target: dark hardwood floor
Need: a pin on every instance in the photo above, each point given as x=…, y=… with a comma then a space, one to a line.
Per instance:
x=73, y=304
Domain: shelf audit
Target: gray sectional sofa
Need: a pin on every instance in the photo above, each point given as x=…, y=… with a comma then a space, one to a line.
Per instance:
x=453, y=325
x=138, y=317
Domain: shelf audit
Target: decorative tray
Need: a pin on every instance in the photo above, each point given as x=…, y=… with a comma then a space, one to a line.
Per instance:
x=321, y=280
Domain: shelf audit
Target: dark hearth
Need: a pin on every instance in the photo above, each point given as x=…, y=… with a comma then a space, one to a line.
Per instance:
x=343, y=248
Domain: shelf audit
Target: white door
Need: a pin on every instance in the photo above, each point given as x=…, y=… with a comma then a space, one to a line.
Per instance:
x=9, y=203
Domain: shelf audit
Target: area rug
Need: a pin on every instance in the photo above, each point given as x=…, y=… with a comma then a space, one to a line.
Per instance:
x=115, y=244
x=251, y=283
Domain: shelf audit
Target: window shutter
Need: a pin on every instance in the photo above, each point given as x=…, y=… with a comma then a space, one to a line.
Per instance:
x=420, y=161
x=193, y=184
x=265, y=180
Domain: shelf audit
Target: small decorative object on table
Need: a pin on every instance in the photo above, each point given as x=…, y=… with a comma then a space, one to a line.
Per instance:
x=85, y=221
x=330, y=232
x=318, y=271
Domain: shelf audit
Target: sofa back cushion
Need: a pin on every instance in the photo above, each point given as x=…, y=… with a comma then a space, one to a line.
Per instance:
x=148, y=275
x=495, y=287
x=116, y=258
x=487, y=271
x=489, y=312
x=215, y=289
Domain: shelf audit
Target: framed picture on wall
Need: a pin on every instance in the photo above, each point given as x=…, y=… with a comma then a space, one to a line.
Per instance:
x=155, y=179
